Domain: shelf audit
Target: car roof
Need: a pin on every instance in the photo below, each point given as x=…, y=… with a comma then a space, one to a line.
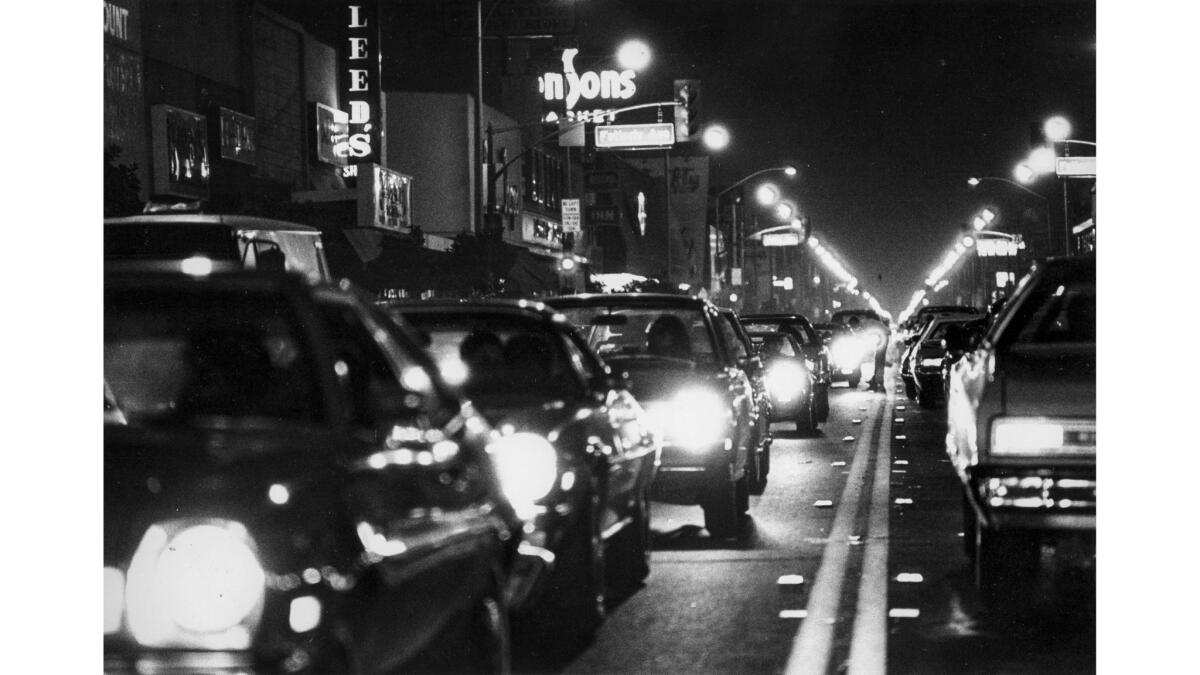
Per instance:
x=603, y=299
x=199, y=219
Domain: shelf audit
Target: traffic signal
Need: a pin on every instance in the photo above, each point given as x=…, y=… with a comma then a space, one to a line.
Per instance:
x=687, y=113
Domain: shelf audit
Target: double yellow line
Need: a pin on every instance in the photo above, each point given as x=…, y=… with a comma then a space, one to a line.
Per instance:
x=813, y=644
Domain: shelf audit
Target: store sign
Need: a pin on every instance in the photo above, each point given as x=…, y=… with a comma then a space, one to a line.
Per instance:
x=331, y=134
x=781, y=239
x=1076, y=167
x=989, y=248
x=603, y=215
x=541, y=231
x=237, y=133
x=571, y=219
x=123, y=23
x=384, y=199
x=180, y=145
x=360, y=70
x=571, y=87
x=624, y=136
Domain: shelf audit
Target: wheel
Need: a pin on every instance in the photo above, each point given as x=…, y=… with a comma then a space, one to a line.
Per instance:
x=822, y=404
x=489, y=648
x=1006, y=563
x=721, y=511
x=574, y=595
x=755, y=478
x=741, y=496
x=910, y=390
x=628, y=559
x=805, y=424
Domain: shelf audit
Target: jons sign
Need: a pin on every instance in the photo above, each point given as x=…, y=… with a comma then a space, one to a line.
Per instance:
x=361, y=70
x=570, y=86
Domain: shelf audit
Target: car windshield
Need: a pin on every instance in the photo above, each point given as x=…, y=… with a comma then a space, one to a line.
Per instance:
x=1057, y=311
x=173, y=355
x=798, y=330
x=773, y=344
x=677, y=332
x=499, y=357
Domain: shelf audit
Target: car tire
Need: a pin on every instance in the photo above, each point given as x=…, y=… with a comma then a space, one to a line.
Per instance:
x=489, y=644
x=805, y=422
x=910, y=390
x=1006, y=563
x=822, y=403
x=628, y=562
x=720, y=510
x=575, y=593
x=741, y=496
x=754, y=475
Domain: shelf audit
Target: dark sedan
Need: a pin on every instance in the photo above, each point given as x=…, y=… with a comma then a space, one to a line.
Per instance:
x=926, y=359
x=582, y=478
x=816, y=354
x=759, y=465
x=294, y=491
x=847, y=352
x=1022, y=434
x=789, y=381
x=681, y=360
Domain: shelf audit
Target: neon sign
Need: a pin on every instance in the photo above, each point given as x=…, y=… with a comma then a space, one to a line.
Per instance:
x=570, y=86
x=361, y=67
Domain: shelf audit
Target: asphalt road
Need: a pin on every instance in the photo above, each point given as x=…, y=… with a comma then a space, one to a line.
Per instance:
x=852, y=561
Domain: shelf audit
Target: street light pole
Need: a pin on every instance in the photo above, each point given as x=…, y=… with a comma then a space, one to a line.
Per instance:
x=1045, y=202
x=477, y=215
x=734, y=242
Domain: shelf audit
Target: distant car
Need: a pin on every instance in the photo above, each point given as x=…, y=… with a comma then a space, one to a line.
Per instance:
x=760, y=463
x=295, y=490
x=247, y=241
x=584, y=493
x=789, y=381
x=847, y=352
x=927, y=359
x=816, y=354
x=681, y=359
x=1022, y=432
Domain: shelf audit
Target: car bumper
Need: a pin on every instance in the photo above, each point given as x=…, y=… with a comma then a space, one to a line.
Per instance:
x=172, y=662
x=787, y=410
x=686, y=477
x=1035, y=500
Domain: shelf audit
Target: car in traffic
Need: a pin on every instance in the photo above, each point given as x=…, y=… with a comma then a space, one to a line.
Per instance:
x=789, y=381
x=587, y=461
x=294, y=490
x=927, y=359
x=960, y=339
x=201, y=238
x=816, y=354
x=681, y=361
x=1022, y=433
x=759, y=466
x=847, y=352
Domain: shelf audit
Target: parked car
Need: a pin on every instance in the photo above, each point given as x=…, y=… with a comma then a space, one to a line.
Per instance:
x=816, y=354
x=759, y=465
x=583, y=481
x=847, y=352
x=789, y=381
x=1022, y=431
x=295, y=490
x=960, y=339
x=248, y=241
x=682, y=365
x=927, y=359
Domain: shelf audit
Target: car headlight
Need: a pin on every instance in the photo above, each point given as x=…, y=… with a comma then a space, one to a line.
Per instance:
x=195, y=584
x=694, y=418
x=931, y=363
x=847, y=353
x=1034, y=436
x=786, y=381
x=527, y=465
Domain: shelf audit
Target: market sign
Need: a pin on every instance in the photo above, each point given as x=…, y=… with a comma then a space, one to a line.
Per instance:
x=570, y=86
x=179, y=139
x=1076, y=167
x=331, y=134
x=625, y=136
x=237, y=134
x=384, y=199
x=781, y=239
x=571, y=220
x=360, y=70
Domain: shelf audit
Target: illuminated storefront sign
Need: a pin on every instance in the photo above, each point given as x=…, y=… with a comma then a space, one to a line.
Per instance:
x=570, y=86
x=659, y=135
x=988, y=248
x=331, y=133
x=360, y=59
x=237, y=133
x=384, y=199
x=180, y=146
x=541, y=231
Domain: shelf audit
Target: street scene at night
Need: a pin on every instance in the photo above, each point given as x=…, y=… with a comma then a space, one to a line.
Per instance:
x=608, y=336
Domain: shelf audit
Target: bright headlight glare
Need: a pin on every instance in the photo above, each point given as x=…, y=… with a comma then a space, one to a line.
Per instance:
x=304, y=614
x=786, y=381
x=527, y=466
x=694, y=419
x=114, y=599
x=195, y=585
x=847, y=353
x=1026, y=437
x=928, y=363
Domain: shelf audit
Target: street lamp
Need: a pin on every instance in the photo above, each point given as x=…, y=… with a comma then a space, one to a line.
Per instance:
x=1024, y=173
x=633, y=55
x=784, y=211
x=1041, y=160
x=734, y=235
x=715, y=137
x=1057, y=128
x=767, y=194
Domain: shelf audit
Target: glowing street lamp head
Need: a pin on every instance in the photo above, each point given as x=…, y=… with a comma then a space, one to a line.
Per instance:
x=968, y=241
x=1057, y=128
x=972, y=181
x=1041, y=160
x=789, y=171
x=988, y=215
x=979, y=223
x=1024, y=173
x=767, y=194
x=784, y=211
x=715, y=137
x=633, y=54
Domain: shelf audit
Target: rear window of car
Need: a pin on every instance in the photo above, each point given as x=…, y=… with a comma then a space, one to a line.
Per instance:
x=798, y=330
x=628, y=334
x=168, y=241
x=178, y=355
x=1050, y=309
x=773, y=345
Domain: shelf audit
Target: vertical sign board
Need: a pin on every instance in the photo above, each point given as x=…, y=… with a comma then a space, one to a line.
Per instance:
x=384, y=199
x=360, y=77
x=180, y=146
x=571, y=220
x=689, y=206
x=331, y=134
x=124, y=97
x=237, y=136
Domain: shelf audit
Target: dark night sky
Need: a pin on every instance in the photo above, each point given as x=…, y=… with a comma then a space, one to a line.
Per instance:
x=888, y=107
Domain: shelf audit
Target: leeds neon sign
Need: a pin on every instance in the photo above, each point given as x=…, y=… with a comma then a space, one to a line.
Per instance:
x=570, y=86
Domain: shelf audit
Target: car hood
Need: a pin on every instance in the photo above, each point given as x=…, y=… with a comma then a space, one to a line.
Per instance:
x=654, y=378
x=154, y=474
x=1048, y=382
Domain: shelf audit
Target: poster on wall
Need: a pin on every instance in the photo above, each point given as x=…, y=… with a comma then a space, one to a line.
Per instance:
x=384, y=199
x=179, y=139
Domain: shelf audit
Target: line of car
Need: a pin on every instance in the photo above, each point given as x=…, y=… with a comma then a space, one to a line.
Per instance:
x=301, y=479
